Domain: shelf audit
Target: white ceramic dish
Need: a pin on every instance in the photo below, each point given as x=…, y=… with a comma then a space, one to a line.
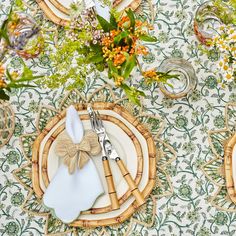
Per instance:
x=127, y=152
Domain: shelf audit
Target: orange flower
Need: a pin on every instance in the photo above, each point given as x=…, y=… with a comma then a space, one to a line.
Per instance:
x=138, y=23
x=142, y=50
x=119, y=80
x=113, y=33
x=132, y=51
x=2, y=70
x=12, y=26
x=123, y=20
x=119, y=59
x=117, y=50
x=125, y=48
x=150, y=73
x=3, y=84
x=17, y=33
x=107, y=41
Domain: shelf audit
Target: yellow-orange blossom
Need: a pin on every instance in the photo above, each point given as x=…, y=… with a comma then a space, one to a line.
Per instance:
x=116, y=53
x=2, y=81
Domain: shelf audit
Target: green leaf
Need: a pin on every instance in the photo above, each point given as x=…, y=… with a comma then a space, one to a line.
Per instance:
x=9, y=75
x=3, y=95
x=100, y=66
x=106, y=26
x=27, y=72
x=3, y=30
x=113, y=21
x=96, y=59
x=112, y=68
x=19, y=3
x=133, y=94
x=129, y=66
x=148, y=38
x=97, y=48
x=131, y=16
x=120, y=36
x=14, y=85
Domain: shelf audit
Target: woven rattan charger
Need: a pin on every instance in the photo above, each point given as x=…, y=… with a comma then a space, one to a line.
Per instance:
x=7, y=122
x=132, y=120
x=228, y=162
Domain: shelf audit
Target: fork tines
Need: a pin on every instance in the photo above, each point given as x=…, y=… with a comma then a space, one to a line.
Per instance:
x=95, y=120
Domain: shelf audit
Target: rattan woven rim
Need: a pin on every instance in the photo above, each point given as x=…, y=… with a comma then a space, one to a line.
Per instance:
x=51, y=15
x=228, y=163
x=9, y=118
x=57, y=20
x=137, y=145
x=152, y=160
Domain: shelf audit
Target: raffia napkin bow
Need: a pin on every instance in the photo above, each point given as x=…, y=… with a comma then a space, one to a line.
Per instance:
x=77, y=154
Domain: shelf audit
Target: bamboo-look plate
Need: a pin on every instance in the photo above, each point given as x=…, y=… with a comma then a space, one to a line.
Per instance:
x=58, y=10
x=230, y=167
x=149, y=165
x=134, y=161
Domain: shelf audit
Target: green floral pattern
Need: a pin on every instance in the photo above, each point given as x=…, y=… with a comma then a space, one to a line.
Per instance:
x=190, y=192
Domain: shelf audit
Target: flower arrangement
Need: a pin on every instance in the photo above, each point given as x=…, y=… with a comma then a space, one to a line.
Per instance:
x=111, y=43
x=225, y=43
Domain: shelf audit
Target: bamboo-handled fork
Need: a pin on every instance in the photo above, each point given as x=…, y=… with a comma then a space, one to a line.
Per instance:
x=106, y=166
x=111, y=153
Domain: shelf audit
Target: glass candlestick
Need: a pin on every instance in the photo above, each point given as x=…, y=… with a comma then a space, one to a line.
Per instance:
x=206, y=22
x=186, y=81
x=25, y=35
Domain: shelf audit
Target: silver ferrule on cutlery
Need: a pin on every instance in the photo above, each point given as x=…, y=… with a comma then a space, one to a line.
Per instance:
x=112, y=154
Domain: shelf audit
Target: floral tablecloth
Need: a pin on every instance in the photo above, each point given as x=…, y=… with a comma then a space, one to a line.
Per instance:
x=188, y=210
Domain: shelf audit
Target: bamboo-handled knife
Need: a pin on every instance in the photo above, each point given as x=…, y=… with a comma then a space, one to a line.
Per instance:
x=113, y=155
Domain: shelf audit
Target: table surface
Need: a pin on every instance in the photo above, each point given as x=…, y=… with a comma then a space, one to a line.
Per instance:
x=188, y=211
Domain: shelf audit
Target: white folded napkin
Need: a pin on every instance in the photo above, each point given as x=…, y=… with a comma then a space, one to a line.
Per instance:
x=69, y=194
x=102, y=10
x=89, y=4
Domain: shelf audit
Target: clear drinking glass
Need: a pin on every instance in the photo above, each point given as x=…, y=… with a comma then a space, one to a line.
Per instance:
x=25, y=35
x=186, y=81
x=206, y=22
